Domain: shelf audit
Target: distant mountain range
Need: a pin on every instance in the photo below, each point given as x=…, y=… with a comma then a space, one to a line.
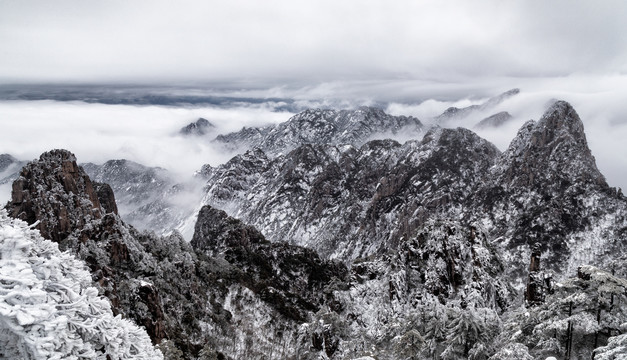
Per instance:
x=326, y=238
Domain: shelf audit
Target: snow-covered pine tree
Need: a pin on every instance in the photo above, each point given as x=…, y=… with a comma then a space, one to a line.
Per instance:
x=48, y=308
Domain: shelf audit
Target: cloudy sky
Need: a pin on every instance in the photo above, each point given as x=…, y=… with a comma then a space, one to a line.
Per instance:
x=418, y=56
x=308, y=41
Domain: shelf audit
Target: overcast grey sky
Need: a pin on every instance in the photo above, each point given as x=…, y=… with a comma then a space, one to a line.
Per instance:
x=401, y=52
x=287, y=41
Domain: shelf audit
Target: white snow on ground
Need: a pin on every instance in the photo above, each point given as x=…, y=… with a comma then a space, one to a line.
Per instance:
x=48, y=308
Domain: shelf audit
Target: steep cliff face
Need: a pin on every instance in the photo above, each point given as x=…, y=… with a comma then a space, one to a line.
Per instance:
x=55, y=191
x=291, y=279
x=549, y=151
x=187, y=300
x=56, y=194
x=547, y=189
x=346, y=202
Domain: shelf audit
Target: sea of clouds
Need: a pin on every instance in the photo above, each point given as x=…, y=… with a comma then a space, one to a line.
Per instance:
x=149, y=134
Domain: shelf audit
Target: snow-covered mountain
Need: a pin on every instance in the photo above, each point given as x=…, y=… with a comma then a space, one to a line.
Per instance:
x=317, y=126
x=495, y=120
x=149, y=198
x=200, y=127
x=347, y=202
x=455, y=113
x=243, y=302
x=339, y=247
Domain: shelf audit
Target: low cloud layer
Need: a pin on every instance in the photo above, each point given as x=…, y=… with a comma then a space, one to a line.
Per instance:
x=148, y=134
x=599, y=101
x=145, y=134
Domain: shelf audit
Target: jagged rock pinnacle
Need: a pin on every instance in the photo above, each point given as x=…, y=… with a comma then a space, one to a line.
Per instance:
x=55, y=191
x=554, y=146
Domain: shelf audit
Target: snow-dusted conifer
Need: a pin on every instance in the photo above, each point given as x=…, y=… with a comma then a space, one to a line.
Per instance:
x=48, y=308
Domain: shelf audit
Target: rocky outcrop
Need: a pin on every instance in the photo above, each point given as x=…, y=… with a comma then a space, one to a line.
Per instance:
x=539, y=283
x=290, y=278
x=347, y=202
x=185, y=298
x=55, y=192
x=546, y=189
x=550, y=151
x=106, y=197
x=215, y=232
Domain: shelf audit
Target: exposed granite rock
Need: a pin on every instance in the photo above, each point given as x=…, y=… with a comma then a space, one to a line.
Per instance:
x=216, y=232
x=346, y=202
x=546, y=188
x=554, y=146
x=196, y=302
x=106, y=197
x=290, y=278
x=55, y=191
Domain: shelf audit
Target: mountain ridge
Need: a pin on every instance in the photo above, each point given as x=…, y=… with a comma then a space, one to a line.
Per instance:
x=386, y=249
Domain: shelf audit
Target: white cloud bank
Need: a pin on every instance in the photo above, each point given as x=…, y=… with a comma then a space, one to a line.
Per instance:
x=145, y=134
x=599, y=101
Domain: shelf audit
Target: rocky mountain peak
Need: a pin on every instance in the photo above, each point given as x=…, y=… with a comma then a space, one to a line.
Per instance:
x=560, y=120
x=554, y=146
x=323, y=126
x=451, y=148
x=57, y=192
x=200, y=127
x=215, y=231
